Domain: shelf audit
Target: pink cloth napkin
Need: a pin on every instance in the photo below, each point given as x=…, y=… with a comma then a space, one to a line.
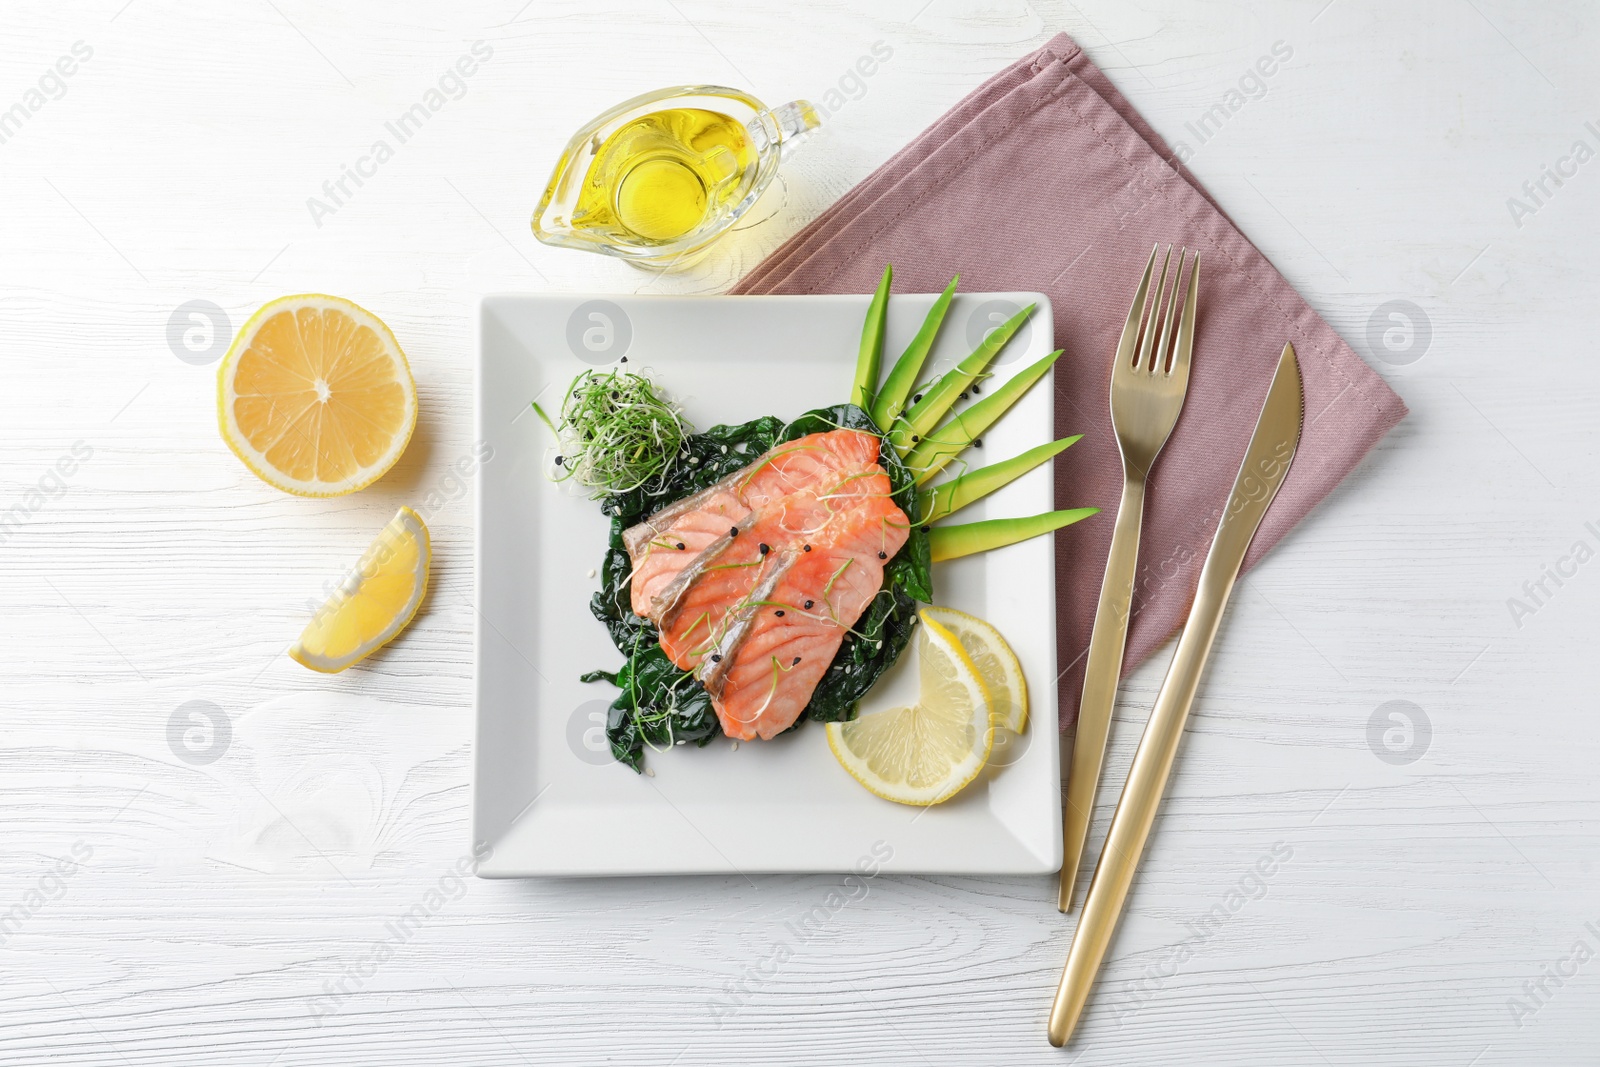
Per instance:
x=1046, y=179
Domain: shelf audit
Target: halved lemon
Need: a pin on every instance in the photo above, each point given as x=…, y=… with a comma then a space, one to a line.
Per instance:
x=997, y=664
x=930, y=751
x=315, y=396
x=374, y=602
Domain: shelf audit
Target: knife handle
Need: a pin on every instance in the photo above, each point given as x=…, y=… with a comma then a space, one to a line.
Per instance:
x=1100, y=676
x=1136, y=811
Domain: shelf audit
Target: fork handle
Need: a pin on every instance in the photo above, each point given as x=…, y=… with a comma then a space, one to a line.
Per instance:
x=1100, y=682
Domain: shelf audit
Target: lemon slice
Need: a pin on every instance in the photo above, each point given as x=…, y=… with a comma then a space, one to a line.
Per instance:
x=997, y=665
x=374, y=603
x=315, y=396
x=928, y=752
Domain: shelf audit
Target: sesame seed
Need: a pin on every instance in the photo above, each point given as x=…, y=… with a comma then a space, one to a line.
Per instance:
x=977, y=442
x=806, y=547
x=716, y=657
x=925, y=529
x=733, y=531
x=917, y=399
x=624, y=359
x=809, y=603
x=764, y=548
x=560, y=460
x=975, y=390
x=796, y=662
x=883, y=555
x=680, y=546
x=779, y=613
x=915, y=438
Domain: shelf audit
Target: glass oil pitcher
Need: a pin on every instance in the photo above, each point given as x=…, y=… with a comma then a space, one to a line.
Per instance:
x=656, y=179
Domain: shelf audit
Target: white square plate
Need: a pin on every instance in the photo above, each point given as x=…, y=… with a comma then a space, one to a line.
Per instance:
x=547, y=796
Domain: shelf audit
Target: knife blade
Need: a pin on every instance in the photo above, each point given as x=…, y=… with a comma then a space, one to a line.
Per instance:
x=1266, y=464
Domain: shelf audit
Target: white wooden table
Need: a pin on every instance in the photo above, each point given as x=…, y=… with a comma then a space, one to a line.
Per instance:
x=227, y=896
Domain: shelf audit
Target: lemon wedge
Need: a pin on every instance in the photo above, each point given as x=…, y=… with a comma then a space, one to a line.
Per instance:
x=926, y=753
x=315, y=396
x=377, y=599
x=997, y=665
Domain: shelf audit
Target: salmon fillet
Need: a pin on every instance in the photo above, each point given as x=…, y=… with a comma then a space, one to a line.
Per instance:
x=789, y=643
x=777, y=562
x=736, y=573
x=661, y=549
x=698, y=522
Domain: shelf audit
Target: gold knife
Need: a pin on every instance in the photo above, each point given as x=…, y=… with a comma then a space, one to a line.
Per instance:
x=1266, y=463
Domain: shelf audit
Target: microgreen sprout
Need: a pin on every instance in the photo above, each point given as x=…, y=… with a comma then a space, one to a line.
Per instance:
x=616, y=433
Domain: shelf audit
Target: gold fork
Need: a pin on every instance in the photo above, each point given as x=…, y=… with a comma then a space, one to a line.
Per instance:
x=1148, y=383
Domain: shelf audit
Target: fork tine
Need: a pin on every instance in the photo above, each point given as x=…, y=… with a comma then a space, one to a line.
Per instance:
x=1163, y=347
x=1130, y=332
x=1155, y=316
x=1185, y=343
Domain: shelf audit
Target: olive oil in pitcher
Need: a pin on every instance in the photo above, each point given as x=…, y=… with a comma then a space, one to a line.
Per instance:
x=658, y=178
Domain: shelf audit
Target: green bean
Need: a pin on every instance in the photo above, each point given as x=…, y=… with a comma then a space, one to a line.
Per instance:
x=947, y=499
x=936, y=450
x=866, y=383
x=892, y=397
x=942, y=395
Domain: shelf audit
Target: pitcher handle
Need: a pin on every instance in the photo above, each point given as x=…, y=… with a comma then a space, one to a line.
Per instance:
x=786, y=125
